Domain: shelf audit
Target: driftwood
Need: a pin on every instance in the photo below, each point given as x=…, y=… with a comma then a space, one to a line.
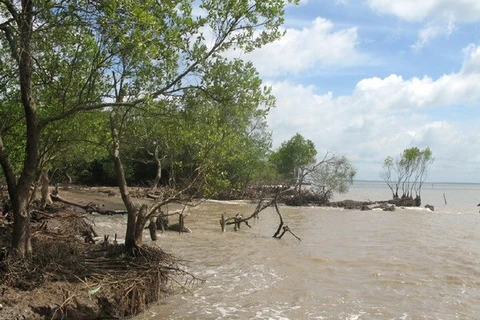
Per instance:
x=238, y=219
x=36, y=213
x=287, y=229
x=89, y=208
x=162, y=222
x=277, y=234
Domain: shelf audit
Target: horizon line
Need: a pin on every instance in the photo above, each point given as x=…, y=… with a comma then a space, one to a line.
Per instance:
x=426, y=182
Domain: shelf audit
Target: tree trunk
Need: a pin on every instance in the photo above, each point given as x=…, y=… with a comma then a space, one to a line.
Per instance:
x=19, y=196
x=21, y=244
x=181, y=222
x=46, y=199
x=20, y=193
x=158, y=175
x=140, y=224
x=153, y=228
x=70, y=181
x=132, y=211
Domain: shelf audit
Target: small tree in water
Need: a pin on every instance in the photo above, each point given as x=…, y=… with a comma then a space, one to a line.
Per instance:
x=293, y=160
x=336, y=175
x=407, y=173
x=296, y=164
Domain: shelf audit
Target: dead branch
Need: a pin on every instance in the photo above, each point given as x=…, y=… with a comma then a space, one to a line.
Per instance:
x=238, y=219
x=62, y=307
x=48, y=215
x=280, y=226
x=173, y=213
x=154, y=196
x=260, y=207
x=281, y=222
x=287, y=229
x=152, y=210
x=89, y=208
x=308, y=170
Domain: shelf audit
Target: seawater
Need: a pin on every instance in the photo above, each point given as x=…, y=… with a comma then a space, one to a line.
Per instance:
x=405, y=264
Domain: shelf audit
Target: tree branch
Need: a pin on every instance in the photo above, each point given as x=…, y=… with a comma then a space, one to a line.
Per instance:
x=89, y=208
x=7, y=170
x=85, y=107
x=158, y=205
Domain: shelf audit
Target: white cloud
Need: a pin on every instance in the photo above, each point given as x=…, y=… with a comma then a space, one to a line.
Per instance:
x=419, y=11
x=395, y=93
x=318, y=45
x=383, y=116
x=432, y=31
x=440, y=16
x=471, y=64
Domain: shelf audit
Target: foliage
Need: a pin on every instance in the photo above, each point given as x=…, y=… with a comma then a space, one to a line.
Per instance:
x=334, y=175
x=293, y=157
x=223, y=130
x=409, y=171
x=295, y=161
x=115, y=58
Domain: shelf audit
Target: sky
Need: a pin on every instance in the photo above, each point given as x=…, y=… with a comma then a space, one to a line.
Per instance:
x=369, y=78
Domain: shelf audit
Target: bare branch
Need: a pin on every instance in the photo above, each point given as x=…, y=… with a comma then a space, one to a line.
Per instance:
x=89, y=208
x=158, y=205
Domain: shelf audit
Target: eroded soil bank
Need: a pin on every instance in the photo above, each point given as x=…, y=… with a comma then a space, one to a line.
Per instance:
x=66, y=278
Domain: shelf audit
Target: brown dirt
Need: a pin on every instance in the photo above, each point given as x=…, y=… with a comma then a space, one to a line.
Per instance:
x=65, y=278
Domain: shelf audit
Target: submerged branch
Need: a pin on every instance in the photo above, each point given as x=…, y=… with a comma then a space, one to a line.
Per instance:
x=89, y=208
x=238, y=219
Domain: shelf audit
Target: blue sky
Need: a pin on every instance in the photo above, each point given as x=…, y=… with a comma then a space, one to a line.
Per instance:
x=369, y=78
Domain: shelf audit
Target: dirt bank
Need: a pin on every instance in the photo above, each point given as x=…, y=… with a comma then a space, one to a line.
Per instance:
x=66, y=278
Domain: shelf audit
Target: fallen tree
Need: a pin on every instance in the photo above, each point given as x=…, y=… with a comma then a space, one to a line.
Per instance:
x=262, y=205
x=88, y=208
x=158, y=219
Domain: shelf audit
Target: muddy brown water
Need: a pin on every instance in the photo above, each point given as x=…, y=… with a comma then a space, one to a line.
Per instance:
x=406, y=264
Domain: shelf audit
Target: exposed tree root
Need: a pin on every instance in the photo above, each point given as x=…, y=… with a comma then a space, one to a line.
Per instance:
x=66, y=278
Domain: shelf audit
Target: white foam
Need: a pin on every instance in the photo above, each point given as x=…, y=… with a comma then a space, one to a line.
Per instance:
x=415, y=209
x=269, y=313
x=355, y=316
x=236, y=202
x=226, y=311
